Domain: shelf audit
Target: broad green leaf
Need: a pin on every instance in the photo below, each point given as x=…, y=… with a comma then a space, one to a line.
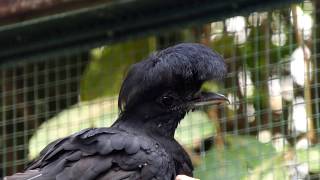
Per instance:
x=239, y=158
x=96, y=113
x=104, y=74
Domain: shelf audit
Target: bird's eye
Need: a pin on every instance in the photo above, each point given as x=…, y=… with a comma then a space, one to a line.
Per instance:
x=167, y=100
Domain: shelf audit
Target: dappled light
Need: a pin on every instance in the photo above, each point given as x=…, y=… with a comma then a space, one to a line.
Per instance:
x=298, y=66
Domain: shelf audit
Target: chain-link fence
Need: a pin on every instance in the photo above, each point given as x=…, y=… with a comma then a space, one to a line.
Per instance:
x=270, y=130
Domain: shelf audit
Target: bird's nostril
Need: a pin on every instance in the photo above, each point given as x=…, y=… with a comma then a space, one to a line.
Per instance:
x=196, y=96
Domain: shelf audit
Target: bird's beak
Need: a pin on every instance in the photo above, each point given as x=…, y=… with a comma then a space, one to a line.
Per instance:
x=209, y=98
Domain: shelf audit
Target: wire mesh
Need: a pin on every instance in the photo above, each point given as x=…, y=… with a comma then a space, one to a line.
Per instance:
x=269, y=131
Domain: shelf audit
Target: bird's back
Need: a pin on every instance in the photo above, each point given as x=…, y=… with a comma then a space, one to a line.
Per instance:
x=104, y=153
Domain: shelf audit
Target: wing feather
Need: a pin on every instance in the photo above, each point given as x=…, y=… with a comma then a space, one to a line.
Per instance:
x=100, y=153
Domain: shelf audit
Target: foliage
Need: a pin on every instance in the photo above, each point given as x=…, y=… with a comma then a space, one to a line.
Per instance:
x=106, y=70
x=96, y=113
x=243, y=157
x=311, y=157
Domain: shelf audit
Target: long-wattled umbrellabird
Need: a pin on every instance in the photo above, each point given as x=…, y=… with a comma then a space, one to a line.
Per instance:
x=155, y=95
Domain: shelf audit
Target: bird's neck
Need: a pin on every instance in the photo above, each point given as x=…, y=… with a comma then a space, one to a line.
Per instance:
x=149, y=121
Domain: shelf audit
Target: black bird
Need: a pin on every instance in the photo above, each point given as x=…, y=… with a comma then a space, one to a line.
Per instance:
x=154, y=97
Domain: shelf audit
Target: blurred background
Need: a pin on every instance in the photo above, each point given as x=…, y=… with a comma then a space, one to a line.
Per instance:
x=63, y=61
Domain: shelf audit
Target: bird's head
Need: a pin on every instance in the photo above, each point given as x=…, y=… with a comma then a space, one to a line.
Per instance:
x=168, y=82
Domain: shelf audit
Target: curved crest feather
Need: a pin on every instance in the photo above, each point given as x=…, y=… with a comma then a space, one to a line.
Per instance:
x=186, y=65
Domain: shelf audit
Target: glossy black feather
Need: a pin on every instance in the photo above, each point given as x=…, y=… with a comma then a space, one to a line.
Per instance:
x=140, y=144
x=185, y=65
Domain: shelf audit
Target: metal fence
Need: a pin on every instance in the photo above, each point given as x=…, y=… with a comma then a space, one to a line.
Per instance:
x=269, y=131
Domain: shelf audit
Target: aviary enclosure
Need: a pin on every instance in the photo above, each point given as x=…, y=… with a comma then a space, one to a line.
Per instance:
x=61, y=73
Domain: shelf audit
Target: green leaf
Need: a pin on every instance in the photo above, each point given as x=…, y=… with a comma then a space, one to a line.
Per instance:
x=271, y=168
x=104, y=75
x=311, y=156
x=237, y=160
x=96, y=113
x=194, y=127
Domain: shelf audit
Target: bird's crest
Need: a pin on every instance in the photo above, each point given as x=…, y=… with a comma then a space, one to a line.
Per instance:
x=185, y=65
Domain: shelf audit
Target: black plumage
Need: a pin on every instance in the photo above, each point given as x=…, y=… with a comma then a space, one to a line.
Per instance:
x=154, y=97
